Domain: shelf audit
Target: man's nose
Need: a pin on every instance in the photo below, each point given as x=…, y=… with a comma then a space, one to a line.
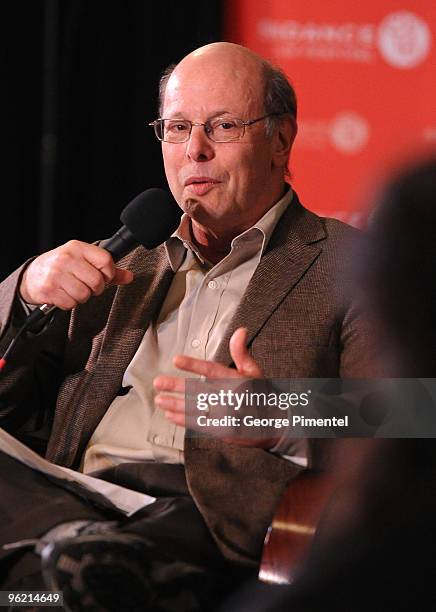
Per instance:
x=199, y=147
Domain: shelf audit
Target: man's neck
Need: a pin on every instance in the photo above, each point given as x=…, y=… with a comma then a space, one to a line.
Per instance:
x=214, y=245
x=211, y=246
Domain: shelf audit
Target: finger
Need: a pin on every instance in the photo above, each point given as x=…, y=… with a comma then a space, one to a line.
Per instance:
x=96, y=256
x=62, y=300
x=169, y=383
x=244, y=362
x=177, y=419
x=209, y=369
x=173, y=406
x=172, y=403
x=90, y=276
x=75, y=288
x=96, y=280
x=122, y=277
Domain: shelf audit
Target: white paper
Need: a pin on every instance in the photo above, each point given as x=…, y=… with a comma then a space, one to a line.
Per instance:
x=126, y=500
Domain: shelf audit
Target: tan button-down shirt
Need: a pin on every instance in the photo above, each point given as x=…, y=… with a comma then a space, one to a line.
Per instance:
x=194, y=316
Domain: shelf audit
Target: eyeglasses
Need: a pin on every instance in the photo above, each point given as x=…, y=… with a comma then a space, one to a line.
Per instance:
x=221, y=129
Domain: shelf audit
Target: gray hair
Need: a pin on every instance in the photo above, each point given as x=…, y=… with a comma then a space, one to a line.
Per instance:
x=279, y=96
x=163, y=85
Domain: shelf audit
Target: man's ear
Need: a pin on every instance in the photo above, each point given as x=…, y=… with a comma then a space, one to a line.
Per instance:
x=283, y=140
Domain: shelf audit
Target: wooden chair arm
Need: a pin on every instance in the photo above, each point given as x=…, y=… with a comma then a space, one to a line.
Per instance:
x=294, y=525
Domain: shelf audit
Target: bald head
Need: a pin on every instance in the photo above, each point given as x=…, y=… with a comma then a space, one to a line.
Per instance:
x=232, y=61
x=265, y=80
x=226, y=48
x=236, y=59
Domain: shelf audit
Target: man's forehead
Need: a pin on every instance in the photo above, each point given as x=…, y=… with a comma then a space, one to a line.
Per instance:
x=224, y=88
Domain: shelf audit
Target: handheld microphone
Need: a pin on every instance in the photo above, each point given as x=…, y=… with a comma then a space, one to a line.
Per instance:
x=149, y=220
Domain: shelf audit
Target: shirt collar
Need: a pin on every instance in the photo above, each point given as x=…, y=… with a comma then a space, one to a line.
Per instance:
x=259, y=234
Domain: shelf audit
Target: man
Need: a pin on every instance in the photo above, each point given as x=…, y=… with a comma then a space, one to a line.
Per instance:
x=246, y=255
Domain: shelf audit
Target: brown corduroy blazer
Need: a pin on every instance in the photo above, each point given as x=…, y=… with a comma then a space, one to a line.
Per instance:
x=303, y=322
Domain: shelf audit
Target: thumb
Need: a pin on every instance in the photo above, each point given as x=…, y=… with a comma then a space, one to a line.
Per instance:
x=245, y=364
x=122, y=277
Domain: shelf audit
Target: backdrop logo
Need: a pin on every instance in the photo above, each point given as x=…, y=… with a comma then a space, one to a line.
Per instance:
x=347, y=132
x=404, y=39
x=429, y=133
x=319, y=41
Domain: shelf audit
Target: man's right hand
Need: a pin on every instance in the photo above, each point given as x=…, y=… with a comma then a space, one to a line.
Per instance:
x=70, y=275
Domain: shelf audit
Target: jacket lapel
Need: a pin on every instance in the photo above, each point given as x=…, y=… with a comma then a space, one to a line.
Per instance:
x=134, y=307
x=293, y=247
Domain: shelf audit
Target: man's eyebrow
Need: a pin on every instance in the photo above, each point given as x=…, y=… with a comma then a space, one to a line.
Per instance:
x=219, y=113
x=175, y=116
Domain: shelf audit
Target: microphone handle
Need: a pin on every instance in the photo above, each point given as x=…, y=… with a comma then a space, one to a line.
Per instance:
x=121, y=243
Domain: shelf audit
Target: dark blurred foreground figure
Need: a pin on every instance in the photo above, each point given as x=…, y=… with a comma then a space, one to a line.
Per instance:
x=374, y=548
x=401, y=279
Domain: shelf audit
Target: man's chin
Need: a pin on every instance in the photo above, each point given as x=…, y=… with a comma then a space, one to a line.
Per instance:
x=209, y=216
x=200, y=212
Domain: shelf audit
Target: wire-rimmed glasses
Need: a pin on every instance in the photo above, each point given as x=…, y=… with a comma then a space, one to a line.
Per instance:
x=219, y=129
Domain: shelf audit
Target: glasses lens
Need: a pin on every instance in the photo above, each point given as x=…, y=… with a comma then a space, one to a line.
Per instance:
x=158, y=128
x=226, y=129
x=176, y=130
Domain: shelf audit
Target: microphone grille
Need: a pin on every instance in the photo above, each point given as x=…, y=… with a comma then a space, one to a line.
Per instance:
x=152, y=217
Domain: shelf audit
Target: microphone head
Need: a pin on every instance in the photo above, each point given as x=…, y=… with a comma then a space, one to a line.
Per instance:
x=152, y=217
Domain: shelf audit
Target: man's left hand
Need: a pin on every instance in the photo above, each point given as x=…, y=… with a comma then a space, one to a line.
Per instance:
x=171, y=389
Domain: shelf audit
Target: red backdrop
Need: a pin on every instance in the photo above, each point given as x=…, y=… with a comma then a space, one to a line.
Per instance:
x=365, y=76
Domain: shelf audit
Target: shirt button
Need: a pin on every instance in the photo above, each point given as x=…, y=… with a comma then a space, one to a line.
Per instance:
x=156, y=439
x=195, y=343
x=212, y=284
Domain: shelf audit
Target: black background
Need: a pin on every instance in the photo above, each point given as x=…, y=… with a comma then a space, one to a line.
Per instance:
x=80, y=82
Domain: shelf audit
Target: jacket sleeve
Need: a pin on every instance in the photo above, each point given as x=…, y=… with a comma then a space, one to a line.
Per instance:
x=31, y=378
